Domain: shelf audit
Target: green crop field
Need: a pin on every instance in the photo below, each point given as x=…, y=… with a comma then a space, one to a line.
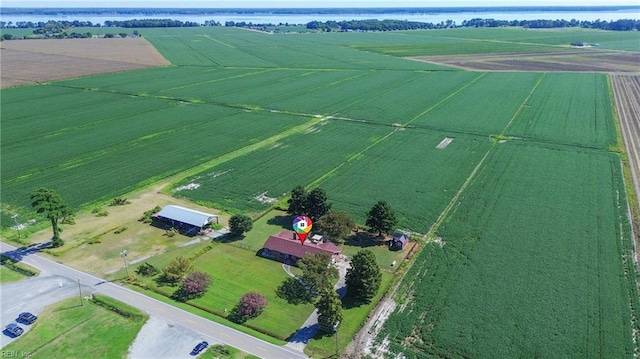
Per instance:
x=531, y=263
x=527, y=197
x=568, y=108
x=496, y=40
x=429, y=177
x=250, y=182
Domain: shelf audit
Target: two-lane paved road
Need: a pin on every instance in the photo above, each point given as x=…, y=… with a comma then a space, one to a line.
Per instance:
x=157, y=308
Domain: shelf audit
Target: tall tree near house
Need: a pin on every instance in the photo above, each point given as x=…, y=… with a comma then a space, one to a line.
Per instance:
x=382, y=218
x=317, y=273
x=337, y=225
x=314, y=204
x=364, y=277
x=317, y=204
x=297, y=202
x=53, y=207
x=329, y=311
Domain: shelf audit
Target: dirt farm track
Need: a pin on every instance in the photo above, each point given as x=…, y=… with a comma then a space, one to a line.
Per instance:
x=27, y=62
x=626, y=89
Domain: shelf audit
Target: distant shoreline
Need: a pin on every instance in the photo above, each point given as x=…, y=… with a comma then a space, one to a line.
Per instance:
x=304, y=11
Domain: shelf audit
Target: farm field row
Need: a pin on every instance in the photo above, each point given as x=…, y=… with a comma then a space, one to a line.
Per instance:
x=239, y=48
x=355, y=161
x=530, y=264
x=76, y=133
x=119, y=142
x=494, y=40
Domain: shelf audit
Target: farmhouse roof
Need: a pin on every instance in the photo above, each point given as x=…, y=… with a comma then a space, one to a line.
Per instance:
x=186, y=215
x=286, y=242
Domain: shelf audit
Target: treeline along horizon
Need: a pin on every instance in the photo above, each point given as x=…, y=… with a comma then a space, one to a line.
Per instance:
x=56, y=26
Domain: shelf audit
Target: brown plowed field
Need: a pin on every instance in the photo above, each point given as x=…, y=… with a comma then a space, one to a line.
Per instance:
x=627, y=96
x=589, y=60
x=33, y=61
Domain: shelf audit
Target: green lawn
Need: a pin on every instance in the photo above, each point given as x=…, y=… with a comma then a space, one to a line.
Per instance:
x=11, y=271
x=236, y=271
x=68, y=330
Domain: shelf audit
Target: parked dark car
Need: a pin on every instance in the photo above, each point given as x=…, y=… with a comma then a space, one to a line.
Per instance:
x=26, y=318
x=14, y=330
x=200, y=347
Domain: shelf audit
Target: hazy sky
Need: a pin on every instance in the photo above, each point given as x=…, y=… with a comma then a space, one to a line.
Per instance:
x=305, y=3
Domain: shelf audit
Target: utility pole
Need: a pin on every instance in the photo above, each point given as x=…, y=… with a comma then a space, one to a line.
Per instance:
x=15, y=216
x=80, y=291
x=123, y=254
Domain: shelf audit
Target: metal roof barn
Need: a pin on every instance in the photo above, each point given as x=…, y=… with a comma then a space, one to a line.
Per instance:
x=186, y=215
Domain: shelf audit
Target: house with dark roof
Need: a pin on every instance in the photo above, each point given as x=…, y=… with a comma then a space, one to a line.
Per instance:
x=286, y=247
x=399, y=241
x=188, y=221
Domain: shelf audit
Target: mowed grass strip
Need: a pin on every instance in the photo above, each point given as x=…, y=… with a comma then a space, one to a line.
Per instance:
x=7, y=275
x=531, y=263
x=68, y=330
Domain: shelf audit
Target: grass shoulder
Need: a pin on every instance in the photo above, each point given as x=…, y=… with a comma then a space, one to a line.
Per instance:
x=11, y=270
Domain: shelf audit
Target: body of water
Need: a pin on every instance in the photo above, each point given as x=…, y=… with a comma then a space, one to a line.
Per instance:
x=457, y=17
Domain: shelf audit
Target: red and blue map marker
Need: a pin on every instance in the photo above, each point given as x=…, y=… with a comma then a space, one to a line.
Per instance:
x=302, y=226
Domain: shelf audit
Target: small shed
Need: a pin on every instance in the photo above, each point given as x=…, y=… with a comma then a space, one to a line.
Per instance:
x=185, y=219
x=398, y=241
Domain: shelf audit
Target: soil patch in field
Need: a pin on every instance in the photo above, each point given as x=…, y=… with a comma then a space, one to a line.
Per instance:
x=582, y=60
x=27, y=62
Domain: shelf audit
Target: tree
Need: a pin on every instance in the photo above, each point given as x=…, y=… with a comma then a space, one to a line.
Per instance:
x=175, y=271
x=294, y=292
x=336, y=225
x=239, y=224
x=313, y=204
x=250, y=306
x=297, y=202
x=146, y=269
x=195, y=284
x=317, y=204
x=54, y=208
x=329, y=311
x=364, y=277
x=381, y=218
x=317, y=273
